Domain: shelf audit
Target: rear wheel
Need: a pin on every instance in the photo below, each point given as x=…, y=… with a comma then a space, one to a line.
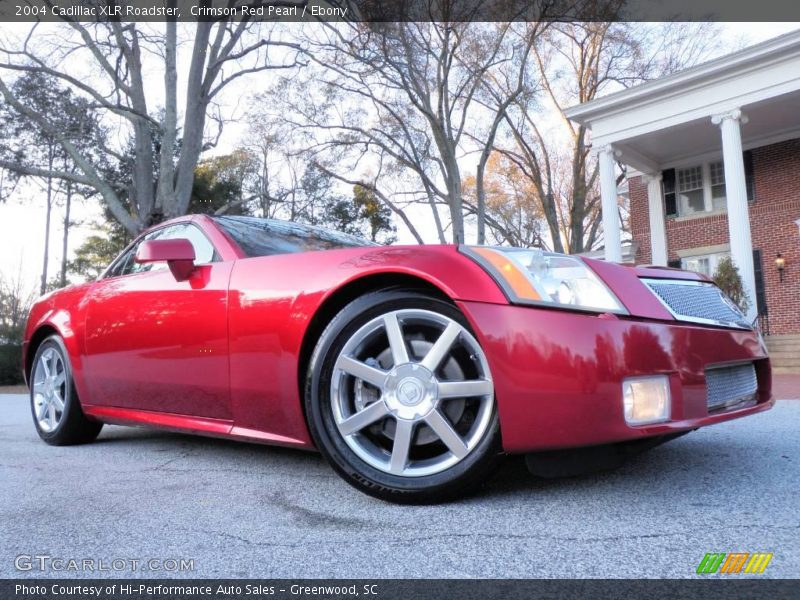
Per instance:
x=56, y=410
x=400, y=398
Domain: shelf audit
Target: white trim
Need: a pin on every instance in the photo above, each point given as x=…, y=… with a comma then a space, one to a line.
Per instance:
x=733, y=65
x=739, y=233
x=606, y=156
x=768, y=140
x=658, y=226
x=699, y=215
x=635, y=159
x=711, y=155
x=705, y=169
x=703, y=251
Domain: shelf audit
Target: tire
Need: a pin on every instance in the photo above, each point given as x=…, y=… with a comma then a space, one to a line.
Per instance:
x=55, y=406
x=427, y=428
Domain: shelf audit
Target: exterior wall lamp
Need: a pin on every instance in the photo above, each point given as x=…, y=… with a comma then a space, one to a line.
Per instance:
x=780, y=264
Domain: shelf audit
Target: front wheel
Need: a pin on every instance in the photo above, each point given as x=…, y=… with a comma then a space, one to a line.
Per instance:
x=56, y=410
x=400, y=398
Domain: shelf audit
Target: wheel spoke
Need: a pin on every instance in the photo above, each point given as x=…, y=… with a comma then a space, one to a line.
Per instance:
x=38, y=388
x=441, y=426
x=402, y=443
x=51, y=415
x=465, y=389
x=60, y=378
x=45, y=364
x=362, y=371
x=442, y=346
x=42, y=409
x=363, y=418
x=57, y=401
x=396, y=341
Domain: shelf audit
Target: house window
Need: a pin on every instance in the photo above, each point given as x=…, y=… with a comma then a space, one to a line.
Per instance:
x=716, y=172
x=690, y=191
x=705, y=263
x=700, y=189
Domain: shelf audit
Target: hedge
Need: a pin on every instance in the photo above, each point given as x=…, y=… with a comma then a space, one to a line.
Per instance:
x=10, y=364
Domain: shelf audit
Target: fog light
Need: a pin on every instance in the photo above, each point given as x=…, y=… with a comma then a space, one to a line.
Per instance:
x=646, y=399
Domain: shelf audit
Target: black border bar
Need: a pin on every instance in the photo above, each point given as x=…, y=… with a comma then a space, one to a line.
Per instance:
x=712, y=588
x=387, y=11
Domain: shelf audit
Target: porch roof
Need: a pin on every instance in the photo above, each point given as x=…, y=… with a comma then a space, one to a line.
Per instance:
x=668, y=121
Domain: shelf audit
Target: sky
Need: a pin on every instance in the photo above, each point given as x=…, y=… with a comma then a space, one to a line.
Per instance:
x=22, y=218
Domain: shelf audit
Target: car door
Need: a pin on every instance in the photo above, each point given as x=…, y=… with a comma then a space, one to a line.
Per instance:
x=153, y=343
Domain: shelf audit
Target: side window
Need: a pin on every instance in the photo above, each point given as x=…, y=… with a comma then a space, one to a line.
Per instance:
x=118, y=267
x=133, y=267
x=204, y=252
x=203, y=249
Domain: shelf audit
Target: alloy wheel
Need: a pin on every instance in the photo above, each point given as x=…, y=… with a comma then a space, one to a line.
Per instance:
x=49, y=389
x=411, y=392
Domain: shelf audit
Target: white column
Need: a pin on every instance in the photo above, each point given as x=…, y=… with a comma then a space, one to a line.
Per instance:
x=736, y=193
x=608, y=195
x=658, y=228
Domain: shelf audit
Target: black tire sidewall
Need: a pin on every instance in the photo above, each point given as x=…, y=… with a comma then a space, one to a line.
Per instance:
x=430, y=488
x=73, y=427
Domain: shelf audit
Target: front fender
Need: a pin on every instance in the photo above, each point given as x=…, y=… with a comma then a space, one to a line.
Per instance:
x=455, y=274
x=60, y=313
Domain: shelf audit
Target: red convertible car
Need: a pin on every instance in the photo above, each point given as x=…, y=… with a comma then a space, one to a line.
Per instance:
x=410, y=368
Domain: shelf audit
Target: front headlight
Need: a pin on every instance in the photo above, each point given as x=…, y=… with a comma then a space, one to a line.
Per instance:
x=532, y=276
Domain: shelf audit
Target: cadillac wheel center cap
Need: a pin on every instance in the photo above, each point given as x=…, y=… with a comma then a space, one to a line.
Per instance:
x=410, y=391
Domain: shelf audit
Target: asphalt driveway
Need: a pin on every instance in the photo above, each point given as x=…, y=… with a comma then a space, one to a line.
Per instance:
x=240, y=510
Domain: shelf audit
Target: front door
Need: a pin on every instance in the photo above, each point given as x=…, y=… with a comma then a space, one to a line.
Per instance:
x=157, y=344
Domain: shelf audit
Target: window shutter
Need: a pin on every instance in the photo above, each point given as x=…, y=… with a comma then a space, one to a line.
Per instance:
x=748, y=175
x=670, y=197
x=675, y=264
x=761, y=292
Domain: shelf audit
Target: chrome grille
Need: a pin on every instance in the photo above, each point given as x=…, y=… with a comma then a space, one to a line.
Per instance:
x=697, y=301
x=727, y=386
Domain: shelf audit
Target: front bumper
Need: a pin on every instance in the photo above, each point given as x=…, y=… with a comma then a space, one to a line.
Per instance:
x=558, y=375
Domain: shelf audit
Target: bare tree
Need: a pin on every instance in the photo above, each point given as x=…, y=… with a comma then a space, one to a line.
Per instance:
x=577, y=62
x=275, y=181
x=407, y=102
x=31, y=153
x=110, y=64
x=16, y=300
x=513, y=213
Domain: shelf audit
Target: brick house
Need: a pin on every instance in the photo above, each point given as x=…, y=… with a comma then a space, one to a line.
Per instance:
x=713, y=158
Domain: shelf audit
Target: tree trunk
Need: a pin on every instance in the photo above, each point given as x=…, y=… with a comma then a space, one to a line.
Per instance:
x=457, y=218
x=578, y=212
x=43, y=286
x=165, y=191
x=437, y=219
x=65, y=241
x=197, y=98
x=480, y=197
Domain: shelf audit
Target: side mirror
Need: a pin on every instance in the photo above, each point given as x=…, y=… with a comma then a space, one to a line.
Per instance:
x=177, y=253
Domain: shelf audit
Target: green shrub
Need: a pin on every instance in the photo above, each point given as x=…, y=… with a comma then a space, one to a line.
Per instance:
x=729, y=281
x=10, y=364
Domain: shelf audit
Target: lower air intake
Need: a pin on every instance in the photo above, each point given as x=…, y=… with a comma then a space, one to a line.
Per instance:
x=727, y=386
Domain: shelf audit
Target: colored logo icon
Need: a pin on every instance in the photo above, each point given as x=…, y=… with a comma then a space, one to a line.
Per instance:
x=733, y=563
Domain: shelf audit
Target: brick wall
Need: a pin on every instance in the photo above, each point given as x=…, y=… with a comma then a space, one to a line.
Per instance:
x=772, y=225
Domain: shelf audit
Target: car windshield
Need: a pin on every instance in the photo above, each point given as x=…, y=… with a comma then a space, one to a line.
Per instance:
x=265, y=237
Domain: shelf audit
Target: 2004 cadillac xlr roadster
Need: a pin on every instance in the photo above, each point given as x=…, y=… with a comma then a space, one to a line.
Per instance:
x=410, y=368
